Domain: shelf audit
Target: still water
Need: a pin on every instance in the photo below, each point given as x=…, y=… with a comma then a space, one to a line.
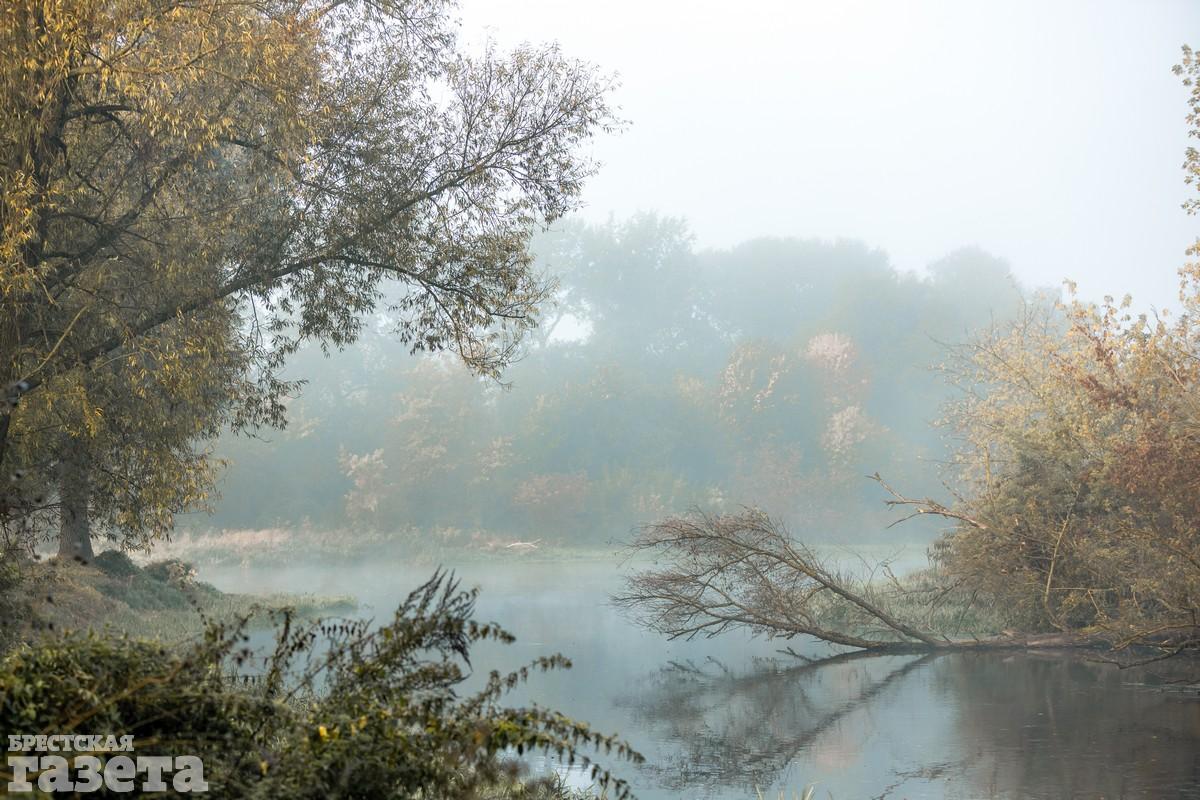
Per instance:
x=720, y=718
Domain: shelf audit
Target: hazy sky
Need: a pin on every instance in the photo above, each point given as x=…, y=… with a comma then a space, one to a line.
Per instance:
x=1048, y=133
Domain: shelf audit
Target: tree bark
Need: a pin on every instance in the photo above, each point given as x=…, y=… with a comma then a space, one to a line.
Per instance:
x=74, y=492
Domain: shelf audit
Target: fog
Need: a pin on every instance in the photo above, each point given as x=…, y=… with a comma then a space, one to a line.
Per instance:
x=778, y=373
x=1049, y=134
x=811, y=209
x=888, y=180
x=772, y=361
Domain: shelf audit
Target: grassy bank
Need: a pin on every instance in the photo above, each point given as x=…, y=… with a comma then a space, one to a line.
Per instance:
x=306, y=545
x=333, y=709
x=160, y=599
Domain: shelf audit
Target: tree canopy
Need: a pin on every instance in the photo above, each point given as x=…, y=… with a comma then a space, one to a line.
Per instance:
x=189, y=190
x=778, y=372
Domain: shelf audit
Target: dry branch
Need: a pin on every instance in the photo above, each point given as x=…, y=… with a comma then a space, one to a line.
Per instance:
x=719, y=572
x=923, y=506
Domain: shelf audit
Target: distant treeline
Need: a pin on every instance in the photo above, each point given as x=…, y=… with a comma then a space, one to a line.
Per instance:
x=776, y=373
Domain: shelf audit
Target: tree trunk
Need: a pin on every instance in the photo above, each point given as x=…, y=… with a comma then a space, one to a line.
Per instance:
x=74, y=492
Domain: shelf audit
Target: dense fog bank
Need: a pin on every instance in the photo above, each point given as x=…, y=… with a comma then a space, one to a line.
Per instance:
x=777, y=373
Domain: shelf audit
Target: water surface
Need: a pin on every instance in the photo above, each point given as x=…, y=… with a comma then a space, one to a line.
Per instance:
x=718, y=718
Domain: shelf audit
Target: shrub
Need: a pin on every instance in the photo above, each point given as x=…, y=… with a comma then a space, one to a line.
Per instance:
x=171, y=570
x=1079, y=460
x=115, y=564
x=337, y=710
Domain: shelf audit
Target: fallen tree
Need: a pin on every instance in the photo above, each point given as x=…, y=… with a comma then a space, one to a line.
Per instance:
x=714, y=573
x=1076, y=515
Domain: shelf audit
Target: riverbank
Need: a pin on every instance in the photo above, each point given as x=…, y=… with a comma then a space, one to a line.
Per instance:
x=161, y=599
x=330, y=701
x=307, y=546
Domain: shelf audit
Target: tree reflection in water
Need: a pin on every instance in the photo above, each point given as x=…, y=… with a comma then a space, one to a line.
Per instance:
x=1045, y=727
x=997, y=726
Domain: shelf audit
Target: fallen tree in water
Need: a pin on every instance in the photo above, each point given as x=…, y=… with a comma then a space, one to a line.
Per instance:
x=714, y=573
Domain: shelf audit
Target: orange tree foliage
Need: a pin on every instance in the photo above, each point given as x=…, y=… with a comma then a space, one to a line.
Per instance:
x=1081, y=462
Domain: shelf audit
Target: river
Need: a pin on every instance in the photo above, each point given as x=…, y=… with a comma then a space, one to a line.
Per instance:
x=721, y=718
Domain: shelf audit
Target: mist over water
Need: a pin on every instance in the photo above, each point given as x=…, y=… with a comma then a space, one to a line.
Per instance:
x=867, y=333
x=718, y=717
x=846, y=199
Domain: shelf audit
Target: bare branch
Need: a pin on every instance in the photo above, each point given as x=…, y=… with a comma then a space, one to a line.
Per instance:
x=924, y=506
x=743, y=570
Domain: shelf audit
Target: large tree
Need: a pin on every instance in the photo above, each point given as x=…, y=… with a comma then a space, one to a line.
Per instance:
x=191, y=189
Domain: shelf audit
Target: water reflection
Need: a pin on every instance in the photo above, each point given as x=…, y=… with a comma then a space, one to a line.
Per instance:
x=716, y=718
x=1019, y=726
x=746, y=730
x=1044, y=726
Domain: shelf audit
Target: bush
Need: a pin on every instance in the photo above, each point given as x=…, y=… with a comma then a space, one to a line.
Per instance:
x=116, y=564
x=13, y=602
x=337, y=710
x=1078, y=471
x=171, y=570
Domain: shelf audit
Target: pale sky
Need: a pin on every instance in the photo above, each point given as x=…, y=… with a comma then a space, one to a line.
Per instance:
x=1049, y=133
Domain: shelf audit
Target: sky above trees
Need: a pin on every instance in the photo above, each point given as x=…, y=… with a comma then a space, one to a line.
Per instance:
x=1049, y=134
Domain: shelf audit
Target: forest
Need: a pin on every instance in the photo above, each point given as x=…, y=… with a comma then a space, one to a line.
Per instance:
x=702, y=388
x=314, y=364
